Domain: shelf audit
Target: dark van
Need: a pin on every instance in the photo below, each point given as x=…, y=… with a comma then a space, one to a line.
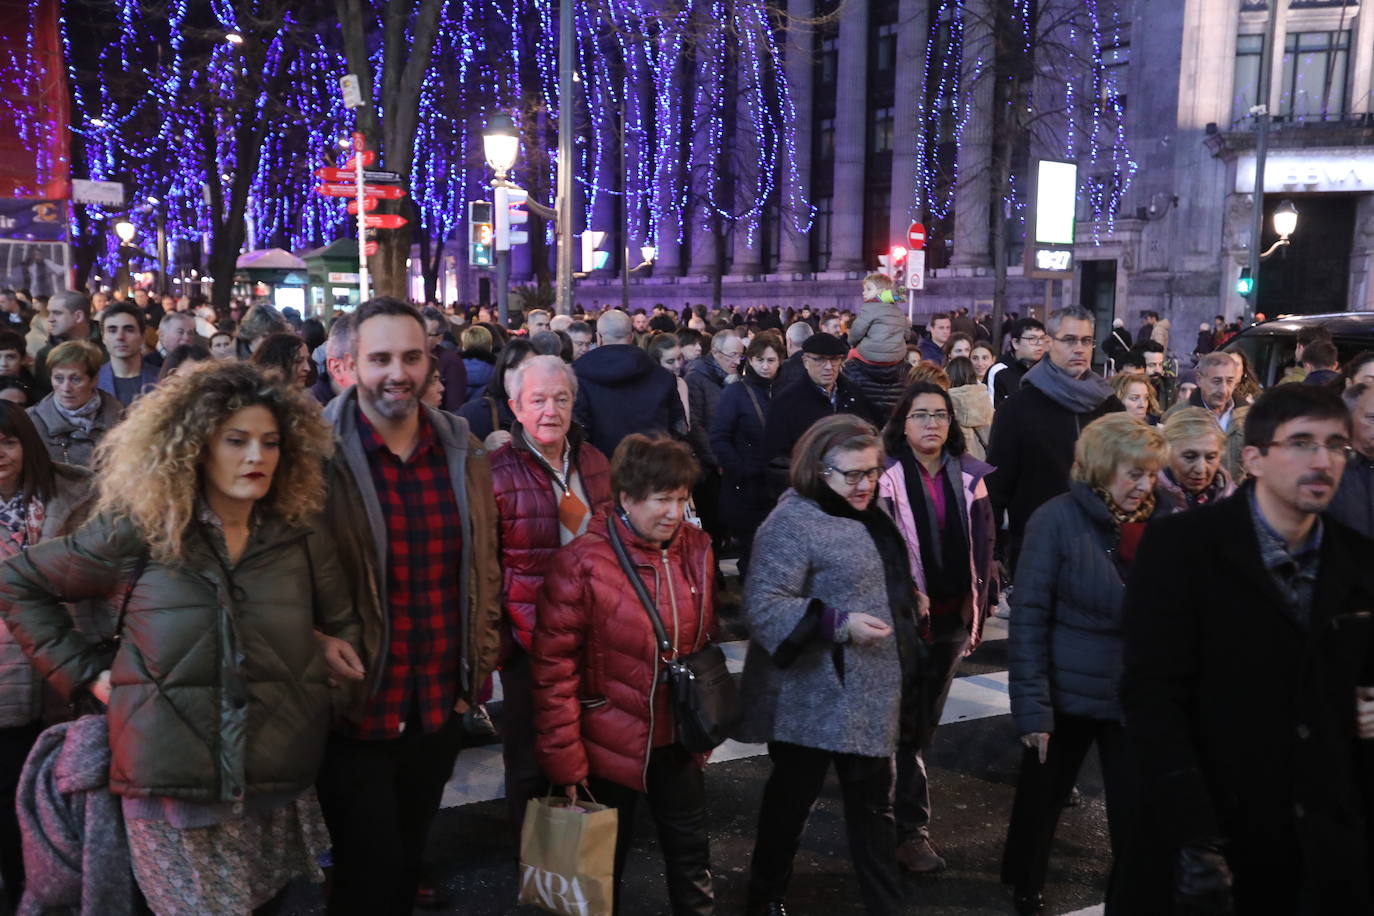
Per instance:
x=1270, y=346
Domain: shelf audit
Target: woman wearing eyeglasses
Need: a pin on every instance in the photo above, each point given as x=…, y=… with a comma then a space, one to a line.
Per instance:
x=834, y=660
x=1066, y=642
x=934, y=491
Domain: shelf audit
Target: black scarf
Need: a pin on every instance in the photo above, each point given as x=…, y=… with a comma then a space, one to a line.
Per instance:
x=901, y=599
x=944, y=552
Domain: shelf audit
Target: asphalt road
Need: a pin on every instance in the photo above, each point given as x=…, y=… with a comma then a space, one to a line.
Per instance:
x=973, y=773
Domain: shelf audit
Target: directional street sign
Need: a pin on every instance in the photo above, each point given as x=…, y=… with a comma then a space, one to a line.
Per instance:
x=370, y=249
x=386, y=221
x=384, y=192
x=371, y=175
x=369, y=157
x=369, y=204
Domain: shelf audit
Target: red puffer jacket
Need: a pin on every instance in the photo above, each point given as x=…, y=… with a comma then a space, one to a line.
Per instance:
x=528, y=510
x=598, y=704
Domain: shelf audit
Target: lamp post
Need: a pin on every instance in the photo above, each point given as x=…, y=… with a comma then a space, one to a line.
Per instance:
x=1261, y=113
x=501, y=145
x=124, y=230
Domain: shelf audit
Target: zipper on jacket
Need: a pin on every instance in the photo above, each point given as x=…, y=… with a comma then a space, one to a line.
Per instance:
x=672, y=598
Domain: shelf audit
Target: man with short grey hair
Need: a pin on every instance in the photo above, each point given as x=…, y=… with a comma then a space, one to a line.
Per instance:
x=792, y=369
x=623, y=390
x=174, y=329
x=337, y=376
x=1035, y=429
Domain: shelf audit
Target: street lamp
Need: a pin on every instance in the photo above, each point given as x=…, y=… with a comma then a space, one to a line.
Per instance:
x=500, y=144
x=1285, y=224
x=125, y=230
x=647, y=253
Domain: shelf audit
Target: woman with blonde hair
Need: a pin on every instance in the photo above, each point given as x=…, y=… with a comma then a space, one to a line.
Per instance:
x=1197, y=445
x=231, y=620
x=76, y=415
x=1065, y=646
x=1133, y=389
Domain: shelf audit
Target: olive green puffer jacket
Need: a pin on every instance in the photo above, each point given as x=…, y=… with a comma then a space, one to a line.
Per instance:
x=220, y=689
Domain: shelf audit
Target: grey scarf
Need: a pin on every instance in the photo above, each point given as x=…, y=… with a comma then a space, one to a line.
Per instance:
x=83, y=418
x=1079, y=395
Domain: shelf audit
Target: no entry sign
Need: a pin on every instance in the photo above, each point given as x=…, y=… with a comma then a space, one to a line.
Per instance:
x=916, y=237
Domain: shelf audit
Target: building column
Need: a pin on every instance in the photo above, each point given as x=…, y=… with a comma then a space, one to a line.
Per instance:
x=746, y=246
x=851, y=140
x=667, y=174
x=913, y=26
x=799, y=69
x=1362, y=59
x=972, y=195
x=708, y=99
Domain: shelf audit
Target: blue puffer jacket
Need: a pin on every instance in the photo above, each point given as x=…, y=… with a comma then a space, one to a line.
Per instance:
x=479, y=365
x=1065, y=649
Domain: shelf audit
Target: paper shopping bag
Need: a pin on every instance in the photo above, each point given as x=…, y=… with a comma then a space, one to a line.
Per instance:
x=567, y=857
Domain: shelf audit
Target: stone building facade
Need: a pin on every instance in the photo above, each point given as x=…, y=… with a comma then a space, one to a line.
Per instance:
x=1187, y=72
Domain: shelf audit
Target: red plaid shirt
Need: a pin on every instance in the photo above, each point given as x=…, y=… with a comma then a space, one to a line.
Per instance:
x=424, y=539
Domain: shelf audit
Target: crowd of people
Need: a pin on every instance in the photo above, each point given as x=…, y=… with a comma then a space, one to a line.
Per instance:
x=260, y=572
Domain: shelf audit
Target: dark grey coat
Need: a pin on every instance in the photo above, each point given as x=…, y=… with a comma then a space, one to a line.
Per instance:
x=803, y=555
x=1065, y=647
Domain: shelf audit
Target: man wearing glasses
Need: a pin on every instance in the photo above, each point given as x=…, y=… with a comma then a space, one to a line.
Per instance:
x=1034, y=430
x=1249, y=665
x=821, y=392
x=1027, y=347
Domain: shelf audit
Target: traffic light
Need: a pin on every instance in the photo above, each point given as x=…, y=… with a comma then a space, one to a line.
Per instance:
x=479, y=233
x=510, y=212
x=592, y=259
x=1245, y=284
x=896, y=260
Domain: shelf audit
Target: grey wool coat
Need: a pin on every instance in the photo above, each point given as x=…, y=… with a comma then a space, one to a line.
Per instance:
x=804, y=559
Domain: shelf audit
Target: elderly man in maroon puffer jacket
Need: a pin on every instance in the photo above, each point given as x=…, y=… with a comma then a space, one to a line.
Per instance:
x=548, y=486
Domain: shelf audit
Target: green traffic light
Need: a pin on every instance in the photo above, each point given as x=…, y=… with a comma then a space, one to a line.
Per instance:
x=1245, y=284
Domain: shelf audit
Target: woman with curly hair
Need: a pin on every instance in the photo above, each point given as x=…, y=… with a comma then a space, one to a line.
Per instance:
x=286, y=354
x=231, y=619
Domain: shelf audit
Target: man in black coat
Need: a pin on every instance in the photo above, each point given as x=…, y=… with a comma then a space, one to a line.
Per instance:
x=821, y=392
x=1248, y=637
x=621, y=389
x=1034, y=431
x=1027, y=337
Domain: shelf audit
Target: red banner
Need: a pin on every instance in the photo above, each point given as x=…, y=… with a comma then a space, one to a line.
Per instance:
x=34, y=152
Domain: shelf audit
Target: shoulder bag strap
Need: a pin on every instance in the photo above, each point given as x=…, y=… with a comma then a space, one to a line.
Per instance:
x=495, y=417
x=665, y=645
x=754, y=399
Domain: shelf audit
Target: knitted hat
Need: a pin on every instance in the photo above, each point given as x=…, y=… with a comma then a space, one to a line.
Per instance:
x=823, y=344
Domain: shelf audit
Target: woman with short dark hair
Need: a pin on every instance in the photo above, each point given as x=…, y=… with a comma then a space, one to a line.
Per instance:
x=39, y=499
x=834, y=657
x=287, y=356
x=935, y=492
x=603, y=715
x=489, y=416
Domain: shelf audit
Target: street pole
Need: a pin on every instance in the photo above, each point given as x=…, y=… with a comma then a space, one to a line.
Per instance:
x=565, y=155
x=1261, y=153
x=359, y=144
x=500, y=205
x=624, y=221
x=162, y=284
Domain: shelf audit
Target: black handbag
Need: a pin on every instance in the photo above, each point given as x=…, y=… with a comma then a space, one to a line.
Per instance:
x=705, y=700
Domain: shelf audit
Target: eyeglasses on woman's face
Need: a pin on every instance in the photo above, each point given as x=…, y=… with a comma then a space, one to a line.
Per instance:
x=852, y=477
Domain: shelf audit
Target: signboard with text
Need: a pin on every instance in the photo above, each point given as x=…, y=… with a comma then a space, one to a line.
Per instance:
x=1054, y=198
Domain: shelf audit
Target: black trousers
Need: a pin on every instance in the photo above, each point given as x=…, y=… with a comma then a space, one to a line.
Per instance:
x=790, y=794
x=524, y=778
x=677, y=799
x=913, y=784
x=379, y=799
x=1042, y=789
x=15, y=744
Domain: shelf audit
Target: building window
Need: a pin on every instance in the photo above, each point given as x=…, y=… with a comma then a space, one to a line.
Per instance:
x=1245, y=93
x=1116, y=56
x=1314, y=74
x=829, y=62
x=885, y=50
x=820, y=234
x=825, y=142
x=880, y=130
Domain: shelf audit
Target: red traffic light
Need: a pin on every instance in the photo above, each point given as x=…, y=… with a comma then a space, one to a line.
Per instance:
x=898, y=253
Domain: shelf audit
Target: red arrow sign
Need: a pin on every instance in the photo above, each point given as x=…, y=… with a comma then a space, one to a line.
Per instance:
x=383, y=192
x=386, y=221
x=369, y=157
x=916, y=237
x=369, y=204
x=329, y=174
x=370, y=249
